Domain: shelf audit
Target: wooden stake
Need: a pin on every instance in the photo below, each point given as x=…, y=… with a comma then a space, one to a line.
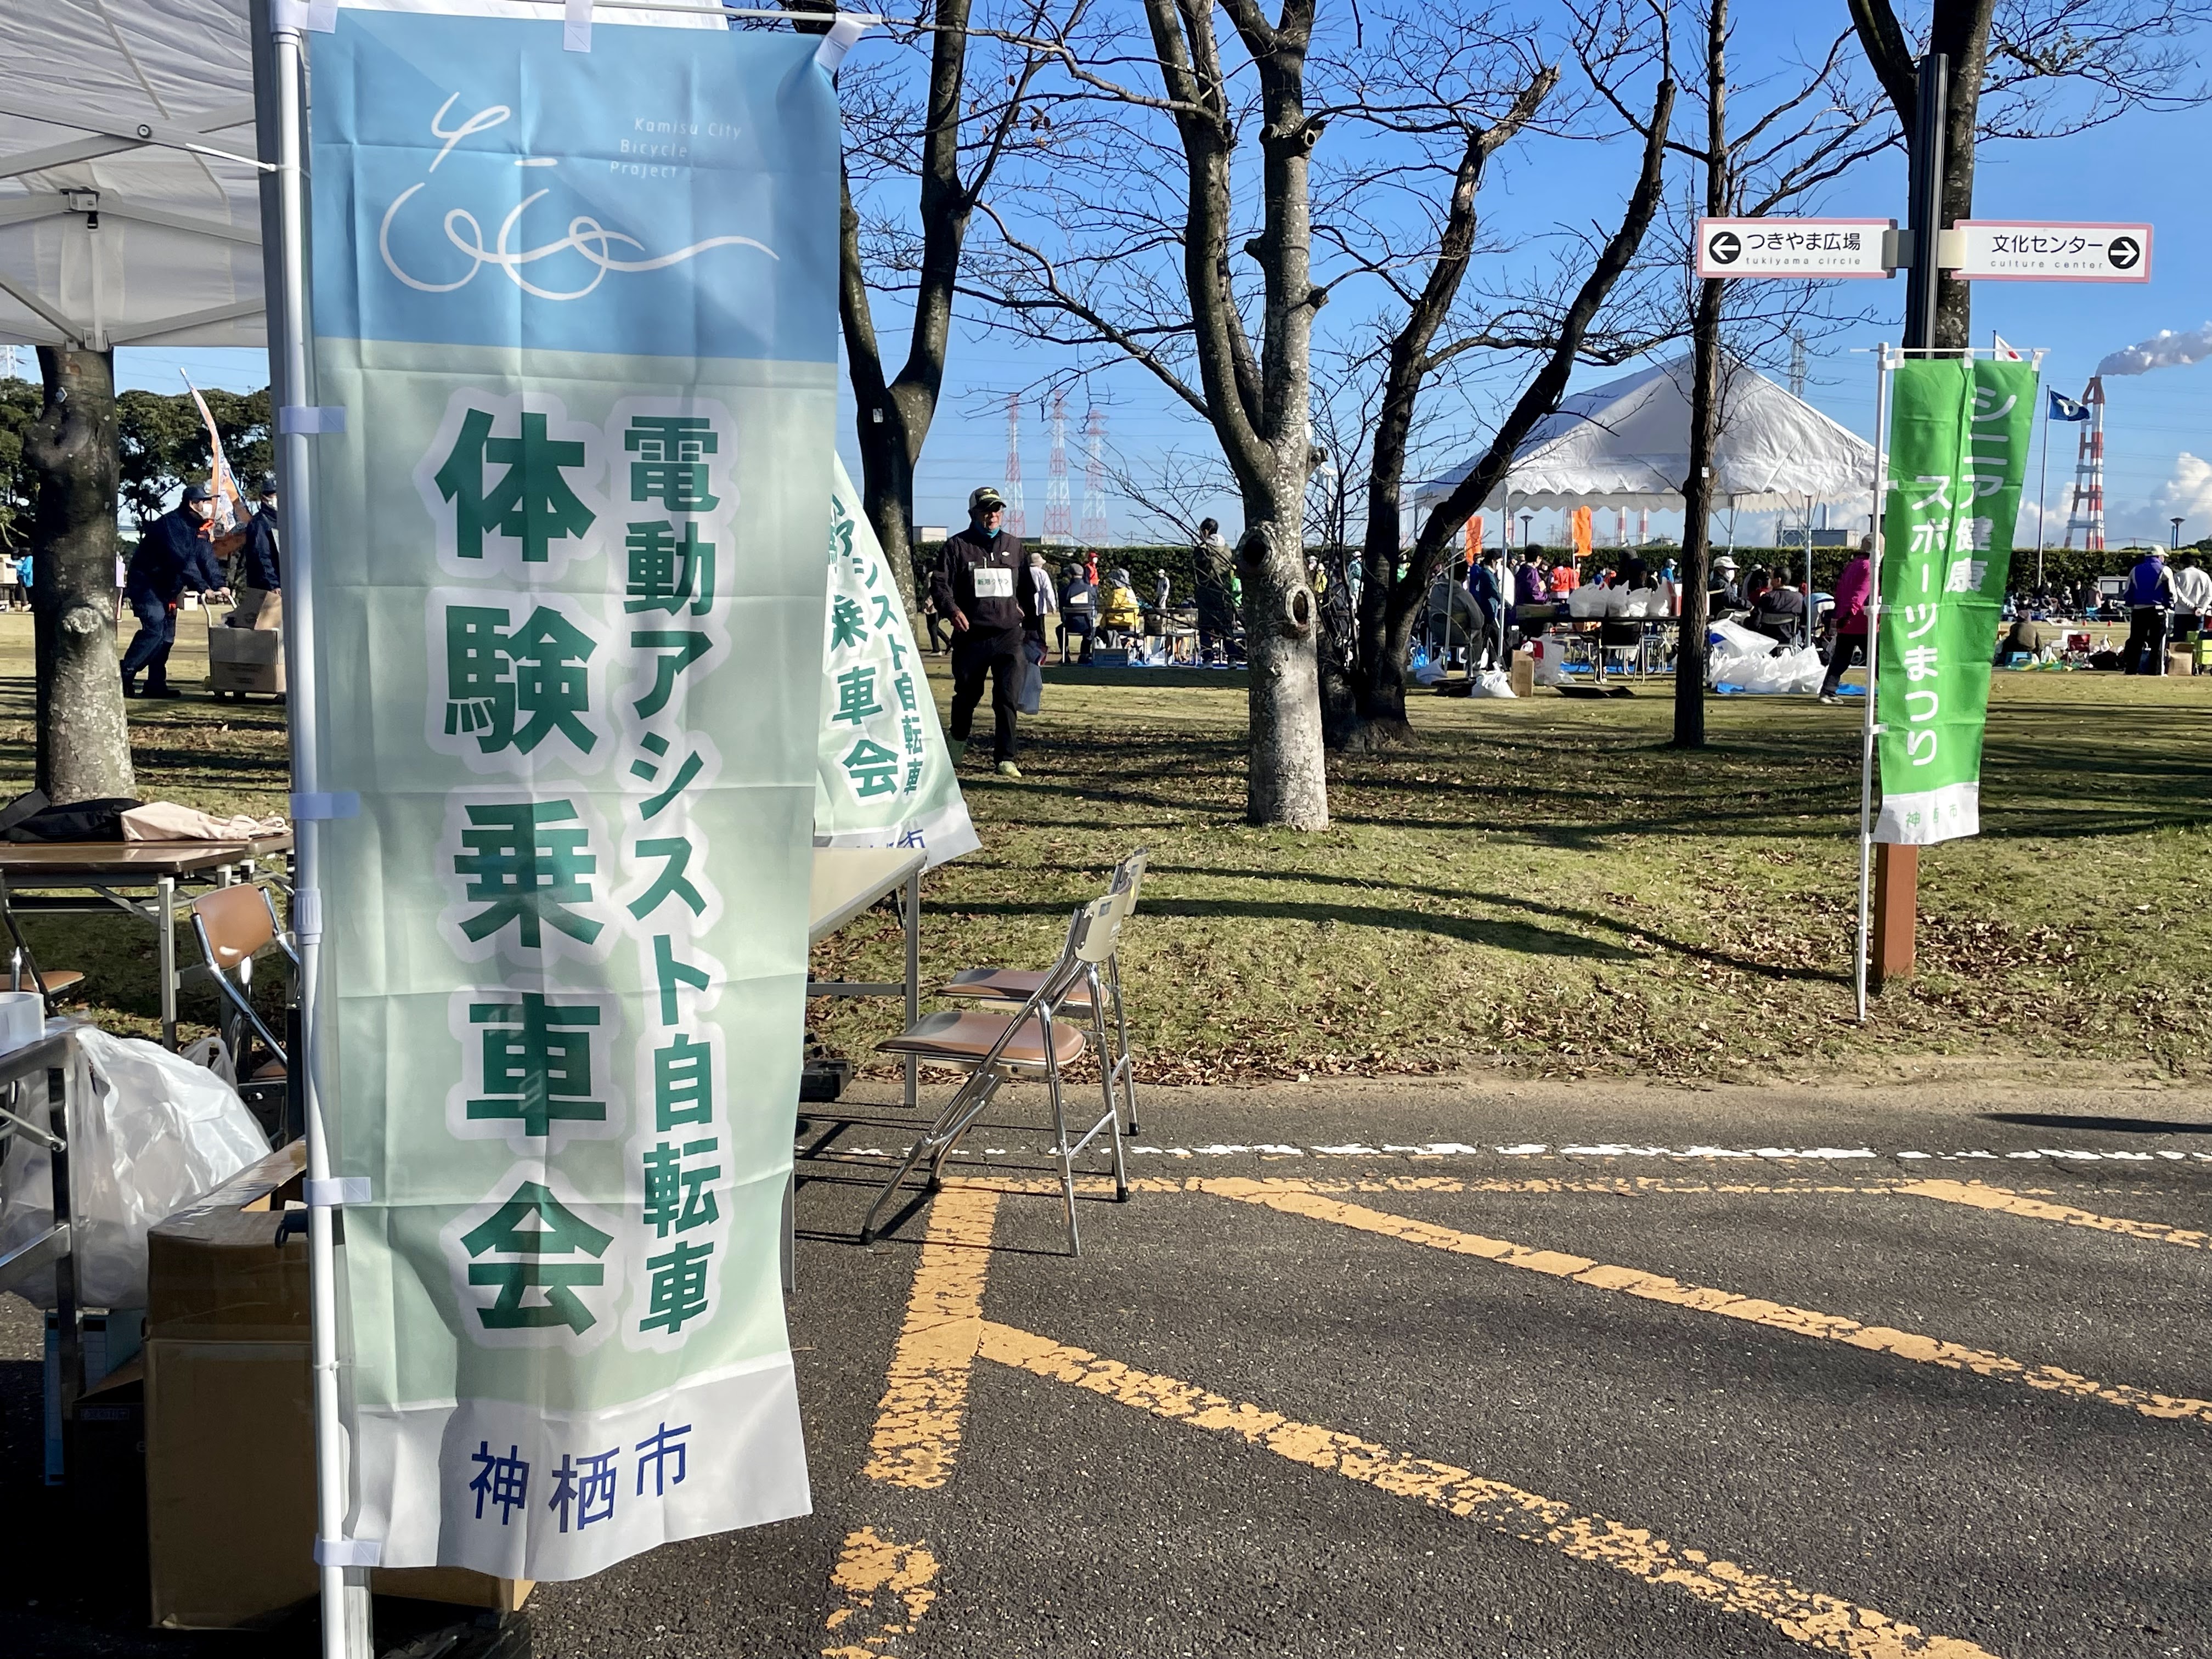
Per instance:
x=1896, y=898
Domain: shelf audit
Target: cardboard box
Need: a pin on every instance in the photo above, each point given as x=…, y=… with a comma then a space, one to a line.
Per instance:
x=1524, y=674
x=260, y=608
x=109, y=1341
x=230, y=1433
x=246, y=659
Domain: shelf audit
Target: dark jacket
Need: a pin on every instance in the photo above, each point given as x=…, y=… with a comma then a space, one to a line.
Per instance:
x=1482, y=588
x=1529, y=585
x=1078, y=599
x=1214, y=567
x=953, y=584
x=171, y=556
x=260, y=555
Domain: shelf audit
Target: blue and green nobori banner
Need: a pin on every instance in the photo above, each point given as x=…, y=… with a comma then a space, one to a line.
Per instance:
x=1958, y=455
x=885, y=777
x=579, y=308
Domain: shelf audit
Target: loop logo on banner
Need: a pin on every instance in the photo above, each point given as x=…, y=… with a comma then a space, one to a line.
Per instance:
x=582, y=309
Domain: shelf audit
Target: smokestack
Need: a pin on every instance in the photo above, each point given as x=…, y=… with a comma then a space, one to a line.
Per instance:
x=2164, y=349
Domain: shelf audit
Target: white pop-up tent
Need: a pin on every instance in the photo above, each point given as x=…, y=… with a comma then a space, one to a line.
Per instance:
x=1626, y=444
x=129, y=194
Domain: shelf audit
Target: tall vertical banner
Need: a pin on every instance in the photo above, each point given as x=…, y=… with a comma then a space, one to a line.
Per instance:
x=579, y=308
x=1958, y=456
x=885, y=778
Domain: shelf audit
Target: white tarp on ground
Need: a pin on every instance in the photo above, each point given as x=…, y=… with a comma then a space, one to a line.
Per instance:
x=1626, y=443
x=109, y=235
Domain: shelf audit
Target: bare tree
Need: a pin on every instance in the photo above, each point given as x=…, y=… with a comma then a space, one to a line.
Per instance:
x=84, y=743
x=952, y=146
x=2030, y=69
x=1147, y=277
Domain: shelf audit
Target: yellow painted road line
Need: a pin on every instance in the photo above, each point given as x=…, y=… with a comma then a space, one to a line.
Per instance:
x=1977, y=1196
x=1806, y=1616
x=918, y=1424
x=887, y=1590
x=1753, y=1310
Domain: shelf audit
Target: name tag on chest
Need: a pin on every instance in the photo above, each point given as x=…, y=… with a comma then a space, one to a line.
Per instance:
x=992, y=582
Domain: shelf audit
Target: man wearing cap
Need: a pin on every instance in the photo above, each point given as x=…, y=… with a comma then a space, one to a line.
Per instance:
x=1720, y=594
x=983, y=583
x=260, y=551
x=172, y=555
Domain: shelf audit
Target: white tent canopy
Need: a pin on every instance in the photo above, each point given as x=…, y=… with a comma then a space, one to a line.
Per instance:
x=1626, y=443
x=129, y=205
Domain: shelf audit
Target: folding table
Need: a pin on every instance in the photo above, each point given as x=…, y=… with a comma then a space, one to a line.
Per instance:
x=89, y=877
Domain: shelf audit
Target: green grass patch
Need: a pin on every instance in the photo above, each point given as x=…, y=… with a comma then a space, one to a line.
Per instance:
x=1542, y=886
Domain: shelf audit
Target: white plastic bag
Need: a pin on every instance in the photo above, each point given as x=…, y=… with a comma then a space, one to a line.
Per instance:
x=149, y=1132
x=1031, y=695
x=1549, y=670
x=1491, y=682
x=1589, y=600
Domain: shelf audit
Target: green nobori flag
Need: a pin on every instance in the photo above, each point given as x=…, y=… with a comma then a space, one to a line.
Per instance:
x=1958, y=454
x=579, y=308
x=885, y=776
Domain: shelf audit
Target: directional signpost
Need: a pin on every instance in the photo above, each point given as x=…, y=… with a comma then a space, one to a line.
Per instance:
x=1796, y=247
x=2020, y=250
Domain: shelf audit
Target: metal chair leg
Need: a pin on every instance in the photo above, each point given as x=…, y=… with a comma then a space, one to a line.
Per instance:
x=1113, y=1118
x=1123, y=1062
x=1059, y=1143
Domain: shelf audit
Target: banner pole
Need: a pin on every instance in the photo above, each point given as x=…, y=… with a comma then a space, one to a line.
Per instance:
x=2043, y=489
x=343, y=1585
x=1873, y=655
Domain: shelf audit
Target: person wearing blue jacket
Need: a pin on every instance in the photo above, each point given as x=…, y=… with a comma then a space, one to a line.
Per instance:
x=172, y=555
x=260, y=553
x=2150, y=607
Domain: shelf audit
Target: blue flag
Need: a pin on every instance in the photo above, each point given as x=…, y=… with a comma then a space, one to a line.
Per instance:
x=2063, y=408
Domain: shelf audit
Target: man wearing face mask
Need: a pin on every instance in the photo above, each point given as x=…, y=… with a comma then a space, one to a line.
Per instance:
x=983, y=582
x=173, y=555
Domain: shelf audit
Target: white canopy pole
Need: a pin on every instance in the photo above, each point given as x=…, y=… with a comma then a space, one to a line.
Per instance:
x=342, y=1564
x=1872, y=651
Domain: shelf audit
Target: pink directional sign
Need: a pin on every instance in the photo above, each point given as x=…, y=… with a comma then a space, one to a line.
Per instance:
x=2029, y=251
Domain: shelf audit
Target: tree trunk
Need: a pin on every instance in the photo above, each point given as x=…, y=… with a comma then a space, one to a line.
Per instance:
x=1961, y=31
x=84, y=742
x=879, y=426
x=1287, y=784
x=1705, y=409
x=1697, y=523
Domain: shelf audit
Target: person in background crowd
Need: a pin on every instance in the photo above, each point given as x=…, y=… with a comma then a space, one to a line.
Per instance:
x=1213, y=569
x=171, y=557
x=23, y=576
x=260, y=556
x=1529, y=585
x=1048, y=603
x=1483, y=586
x=1851, y=589
x=2192, y=598
x=1721, y=592
x=2086, y=599
x=2150, y=607
x=1355, y=578
x=1078, y=609
x=1563, y=579
x=983, y=583
x=1161, y=589
x=1780, y=613
x=1119, y=611
x=11, y=590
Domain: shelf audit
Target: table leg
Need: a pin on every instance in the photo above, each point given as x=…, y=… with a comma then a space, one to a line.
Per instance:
x=912, y=973
x=164, y=956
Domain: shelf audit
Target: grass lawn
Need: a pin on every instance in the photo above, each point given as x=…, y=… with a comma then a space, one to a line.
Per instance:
x=1541, y=885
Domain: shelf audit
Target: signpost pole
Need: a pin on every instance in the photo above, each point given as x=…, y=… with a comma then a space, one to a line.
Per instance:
x=2043, y=494
x=1872, y=624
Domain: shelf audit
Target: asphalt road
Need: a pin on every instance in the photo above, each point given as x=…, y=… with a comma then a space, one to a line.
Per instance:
x=1919, y=1370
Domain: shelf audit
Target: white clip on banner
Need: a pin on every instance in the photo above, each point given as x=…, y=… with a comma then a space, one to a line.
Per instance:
x=310, y=418
x=319, y=807
x=839, y=42
x=320, y=15
x=576, y=26
x=337, y=1192
x=349, y=1551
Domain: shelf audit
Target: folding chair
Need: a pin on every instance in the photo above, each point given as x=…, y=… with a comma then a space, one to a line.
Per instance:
x=1032, y=1042
x=48, y=982
x=233, y=924
x=1015, y=985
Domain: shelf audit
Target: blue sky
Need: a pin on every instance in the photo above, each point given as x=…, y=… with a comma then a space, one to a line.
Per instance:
x=2159, y=426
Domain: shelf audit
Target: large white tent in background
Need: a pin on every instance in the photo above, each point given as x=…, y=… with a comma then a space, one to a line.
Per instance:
x=1626, y=444
x=129, y=201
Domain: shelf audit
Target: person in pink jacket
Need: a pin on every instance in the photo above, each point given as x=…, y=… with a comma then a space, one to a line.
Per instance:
x=1851, y=617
